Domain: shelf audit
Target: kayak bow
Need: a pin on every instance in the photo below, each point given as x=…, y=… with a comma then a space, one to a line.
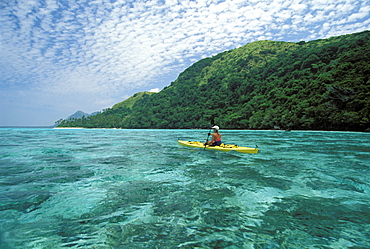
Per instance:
x=222, y=147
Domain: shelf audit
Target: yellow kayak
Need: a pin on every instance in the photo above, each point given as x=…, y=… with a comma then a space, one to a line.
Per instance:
x=222, y=147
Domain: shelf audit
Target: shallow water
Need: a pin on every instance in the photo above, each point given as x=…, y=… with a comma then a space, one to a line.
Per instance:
x=139, y=189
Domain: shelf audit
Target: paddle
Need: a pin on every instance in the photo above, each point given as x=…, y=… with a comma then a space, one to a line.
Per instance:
x=212, y=124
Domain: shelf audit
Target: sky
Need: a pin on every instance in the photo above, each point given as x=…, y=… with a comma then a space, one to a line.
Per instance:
x=61, y=56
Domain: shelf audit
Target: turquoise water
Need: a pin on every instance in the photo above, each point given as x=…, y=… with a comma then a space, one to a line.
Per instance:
x=139, y=189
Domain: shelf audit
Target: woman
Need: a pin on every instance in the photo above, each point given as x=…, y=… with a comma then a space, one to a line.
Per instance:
x=216, y=137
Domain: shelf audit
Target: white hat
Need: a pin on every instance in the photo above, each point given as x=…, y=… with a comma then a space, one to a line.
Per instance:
x=216, y=127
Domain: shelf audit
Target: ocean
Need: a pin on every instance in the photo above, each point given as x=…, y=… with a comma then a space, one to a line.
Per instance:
x=117, y=188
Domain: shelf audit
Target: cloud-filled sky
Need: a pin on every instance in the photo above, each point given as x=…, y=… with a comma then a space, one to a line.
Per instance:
x=60, y=56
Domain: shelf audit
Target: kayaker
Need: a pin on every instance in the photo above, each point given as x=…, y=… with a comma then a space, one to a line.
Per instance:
x=216, y=137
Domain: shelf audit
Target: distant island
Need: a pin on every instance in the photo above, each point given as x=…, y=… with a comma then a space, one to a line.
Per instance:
x=316, y=85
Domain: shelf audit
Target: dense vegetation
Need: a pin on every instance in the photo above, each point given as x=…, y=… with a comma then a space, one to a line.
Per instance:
x=316, y=85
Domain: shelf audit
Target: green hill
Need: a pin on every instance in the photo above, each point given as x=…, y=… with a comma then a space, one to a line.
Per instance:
x=129, y=103
x=317, y=85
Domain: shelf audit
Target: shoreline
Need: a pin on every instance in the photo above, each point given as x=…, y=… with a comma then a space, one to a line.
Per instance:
x=69, y=128
x=84, y=128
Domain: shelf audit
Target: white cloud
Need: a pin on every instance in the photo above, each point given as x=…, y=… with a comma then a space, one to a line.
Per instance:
x=360, y=15
x=154, y=90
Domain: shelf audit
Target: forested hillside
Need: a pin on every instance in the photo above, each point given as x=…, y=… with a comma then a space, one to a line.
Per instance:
x=316, y=85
